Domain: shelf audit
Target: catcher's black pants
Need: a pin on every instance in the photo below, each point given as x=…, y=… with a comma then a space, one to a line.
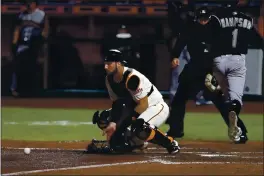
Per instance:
x=190, y=83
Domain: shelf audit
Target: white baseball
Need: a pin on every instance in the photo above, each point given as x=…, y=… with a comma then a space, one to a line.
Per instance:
x=27, y=151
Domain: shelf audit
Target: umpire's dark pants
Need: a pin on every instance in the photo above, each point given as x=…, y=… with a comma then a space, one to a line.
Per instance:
x=190, y=83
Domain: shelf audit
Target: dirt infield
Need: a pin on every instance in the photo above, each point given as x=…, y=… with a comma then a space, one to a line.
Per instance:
x=67, y=157
x=199, y=158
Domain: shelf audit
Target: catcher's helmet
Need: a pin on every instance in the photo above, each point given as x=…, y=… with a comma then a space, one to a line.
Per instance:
x=202, y=12
x=115, y=55
x=102, y=119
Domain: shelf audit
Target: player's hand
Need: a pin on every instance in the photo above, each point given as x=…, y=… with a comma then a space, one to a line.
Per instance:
x=109, y=130
x=175, y=62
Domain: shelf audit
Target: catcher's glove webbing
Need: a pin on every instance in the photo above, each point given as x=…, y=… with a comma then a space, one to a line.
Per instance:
x=99, y=146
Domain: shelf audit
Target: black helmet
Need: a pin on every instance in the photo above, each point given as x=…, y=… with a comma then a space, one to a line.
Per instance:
x=114, y=55
x=202, y=12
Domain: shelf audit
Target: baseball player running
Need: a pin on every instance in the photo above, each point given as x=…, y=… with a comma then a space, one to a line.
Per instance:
x=197, y=39
x=136, y=103
x=232, y=33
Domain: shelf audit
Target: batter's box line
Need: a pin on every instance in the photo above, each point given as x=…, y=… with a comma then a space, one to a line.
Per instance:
x=77, y=167
x=118, y=164
x=202, y=162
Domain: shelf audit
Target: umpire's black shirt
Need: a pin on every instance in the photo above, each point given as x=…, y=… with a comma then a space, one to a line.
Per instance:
x=196, y=37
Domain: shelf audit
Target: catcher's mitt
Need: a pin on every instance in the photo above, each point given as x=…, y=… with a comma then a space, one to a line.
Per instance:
x=211, y=83
x=99, y=146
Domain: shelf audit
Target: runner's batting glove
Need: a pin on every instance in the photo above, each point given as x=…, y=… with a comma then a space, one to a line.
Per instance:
x=211, y=83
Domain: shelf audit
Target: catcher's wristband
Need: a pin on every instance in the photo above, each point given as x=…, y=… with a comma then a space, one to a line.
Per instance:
x=135, y=114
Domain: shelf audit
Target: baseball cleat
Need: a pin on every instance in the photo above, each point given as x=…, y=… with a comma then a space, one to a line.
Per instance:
x=144, y=146
x=243, y=139
x=173, y=147
x=234, y=132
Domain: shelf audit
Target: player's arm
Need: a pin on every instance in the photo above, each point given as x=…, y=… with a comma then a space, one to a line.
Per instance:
x=142, y=105
x=134, y=85
x=180, y=43
x=45, y=32
x=256, y=39
x=16, y=33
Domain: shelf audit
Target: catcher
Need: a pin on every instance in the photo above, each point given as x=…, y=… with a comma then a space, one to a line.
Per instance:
x=138, y=109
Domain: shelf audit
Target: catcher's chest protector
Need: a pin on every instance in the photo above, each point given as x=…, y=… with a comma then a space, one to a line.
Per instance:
x=120, y=88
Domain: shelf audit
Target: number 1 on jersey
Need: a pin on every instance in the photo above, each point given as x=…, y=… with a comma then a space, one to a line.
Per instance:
x=234, y=39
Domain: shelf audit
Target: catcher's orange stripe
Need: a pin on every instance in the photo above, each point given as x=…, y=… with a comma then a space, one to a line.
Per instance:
x=151, y=136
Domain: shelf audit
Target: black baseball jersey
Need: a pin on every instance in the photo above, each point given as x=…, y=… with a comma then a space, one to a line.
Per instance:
x=119, y=88
x=197, y=38
x=232, y=32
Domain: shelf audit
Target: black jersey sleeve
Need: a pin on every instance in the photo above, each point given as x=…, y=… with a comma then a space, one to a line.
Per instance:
x=255, y=39
x=181, y=42
x=133, y=83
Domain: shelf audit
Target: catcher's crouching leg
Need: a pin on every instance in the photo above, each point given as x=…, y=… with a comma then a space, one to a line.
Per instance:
x=118, y=142
x=150, y=133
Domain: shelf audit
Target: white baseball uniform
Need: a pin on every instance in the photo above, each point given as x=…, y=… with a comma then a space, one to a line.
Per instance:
x=157, y=111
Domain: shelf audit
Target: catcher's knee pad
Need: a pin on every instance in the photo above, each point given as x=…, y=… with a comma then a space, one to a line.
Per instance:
x=102, y=119
x=234, y=105
x=142, y=129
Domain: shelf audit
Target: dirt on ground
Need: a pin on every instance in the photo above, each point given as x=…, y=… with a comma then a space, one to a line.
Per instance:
x=68, y=157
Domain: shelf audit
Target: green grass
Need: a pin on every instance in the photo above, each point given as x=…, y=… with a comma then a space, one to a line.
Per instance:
x=209, y=126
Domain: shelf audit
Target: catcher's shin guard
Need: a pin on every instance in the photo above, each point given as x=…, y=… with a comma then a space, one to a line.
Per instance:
x=147, y=132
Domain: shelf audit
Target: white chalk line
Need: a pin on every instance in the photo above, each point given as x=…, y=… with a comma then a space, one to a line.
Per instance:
x=209, y=155
x=201, y=162
x=32, y=148
x=49, y=123
x=155, y=159
x=161, y=161
x=78, y=167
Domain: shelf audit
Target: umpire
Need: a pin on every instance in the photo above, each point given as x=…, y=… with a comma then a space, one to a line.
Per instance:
x=30, y=31
x=196, y=38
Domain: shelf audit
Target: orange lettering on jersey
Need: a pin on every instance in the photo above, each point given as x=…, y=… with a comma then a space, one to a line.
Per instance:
x=138, y=90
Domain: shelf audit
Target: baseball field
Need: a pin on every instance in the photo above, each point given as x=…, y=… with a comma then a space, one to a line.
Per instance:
x=58, y=131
